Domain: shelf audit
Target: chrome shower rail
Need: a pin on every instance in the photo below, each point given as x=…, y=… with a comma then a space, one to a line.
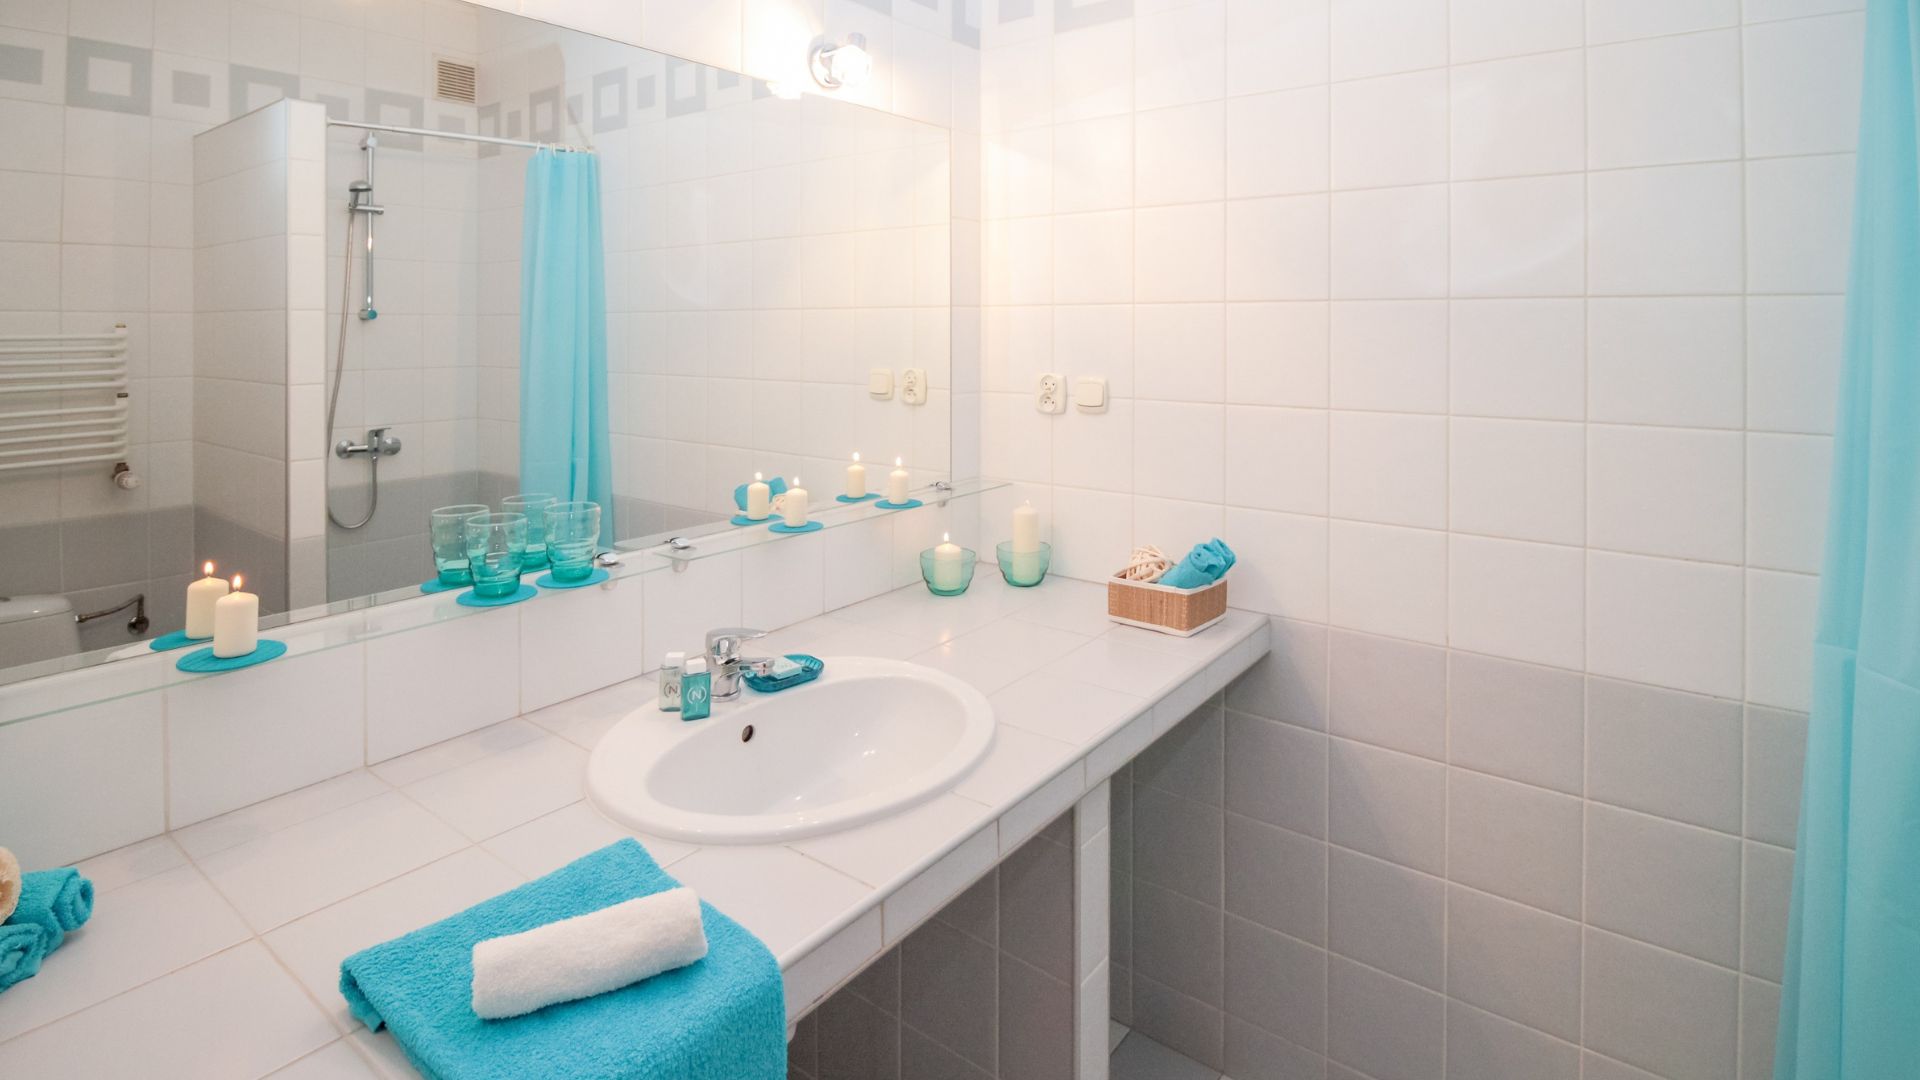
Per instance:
x=461, y=136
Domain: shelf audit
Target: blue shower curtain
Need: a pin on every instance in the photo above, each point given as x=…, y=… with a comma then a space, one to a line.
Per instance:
x=564, y=445
x=1850, y=1005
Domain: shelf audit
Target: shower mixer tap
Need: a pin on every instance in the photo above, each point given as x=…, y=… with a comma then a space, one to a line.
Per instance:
x=378, y=444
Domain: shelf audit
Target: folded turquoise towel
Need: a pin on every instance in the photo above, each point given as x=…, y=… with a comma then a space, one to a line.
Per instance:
x=776, y=487
x=22, y=947
x=722, y=1018
x=58, y=901
x=1204, y=565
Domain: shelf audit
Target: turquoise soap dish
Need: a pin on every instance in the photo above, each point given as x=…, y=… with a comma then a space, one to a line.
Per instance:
x=810, y=668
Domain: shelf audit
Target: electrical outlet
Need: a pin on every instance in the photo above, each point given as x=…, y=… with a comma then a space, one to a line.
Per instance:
x=913, y=386
x=1053, y=394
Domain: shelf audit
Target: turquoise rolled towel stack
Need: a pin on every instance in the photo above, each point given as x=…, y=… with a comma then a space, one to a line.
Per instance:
x=1204, y=565
x=53, y=903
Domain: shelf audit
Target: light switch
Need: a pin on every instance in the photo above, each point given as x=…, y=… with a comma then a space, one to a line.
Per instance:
x=1090, y=393
x=913, y=386
x=880, y=383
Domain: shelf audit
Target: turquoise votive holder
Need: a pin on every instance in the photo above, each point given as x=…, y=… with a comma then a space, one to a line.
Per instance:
x=1024, y=569
x=496, y=553
x=448, y=532
x=573, y=531
x=532, y=506
x=946, y=578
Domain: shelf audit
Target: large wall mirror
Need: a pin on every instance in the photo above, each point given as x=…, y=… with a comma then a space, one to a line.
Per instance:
x=271, y=311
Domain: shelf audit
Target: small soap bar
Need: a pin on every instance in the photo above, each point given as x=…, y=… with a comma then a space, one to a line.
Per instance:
x=782, y=667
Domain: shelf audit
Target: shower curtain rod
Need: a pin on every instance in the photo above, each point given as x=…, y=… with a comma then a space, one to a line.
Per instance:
x=460, y=135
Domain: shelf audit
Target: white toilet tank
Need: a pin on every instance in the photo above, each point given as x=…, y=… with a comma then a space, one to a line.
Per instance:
x=36, y=628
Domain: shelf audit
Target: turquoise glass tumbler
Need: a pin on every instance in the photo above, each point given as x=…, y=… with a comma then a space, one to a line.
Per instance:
x=448, y=531
x=946, y=577
x=573, y=532
x=532, y=506
x=1023, y=569
x=496, y=553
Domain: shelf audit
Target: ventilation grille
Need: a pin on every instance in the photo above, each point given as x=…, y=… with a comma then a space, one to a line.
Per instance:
x=452, y=81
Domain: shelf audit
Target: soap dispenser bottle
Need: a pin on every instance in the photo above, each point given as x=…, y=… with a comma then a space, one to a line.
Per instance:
x=696, y=690
x=670, y=675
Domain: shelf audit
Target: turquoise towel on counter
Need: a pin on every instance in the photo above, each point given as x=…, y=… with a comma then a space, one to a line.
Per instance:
x=776, y=487
x=1204, y=565
x=722, y=1018
x=59, y=901
x=22, y=947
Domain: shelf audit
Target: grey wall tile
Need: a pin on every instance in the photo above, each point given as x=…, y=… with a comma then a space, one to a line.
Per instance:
x=923, y=1059
x=1166, y=1015
x=1387, y=916
x=1776, y=759
x=1036, y=1024
x=1277, y=878
x=1176, y=845
x=1277, y=983
x=1277, y=773
x=1764, y=897
x=802, y=1049
x=1665, y=752
x=1663, y=882
x=976, y=912
x=1290, y=682
x=1595, y=1067
x=945, y=976
x=1387, y=692
x=1383, y=1026
x=101, y=551
x=1387, y=804
x=1253, y=1054
x=1120, y=925
x=1120, y=991
x=857, y=1040
x=1515, y=961
x=1188, y=761
x=1515, y=840
x=880, y=982
x=1659, y=1010
x=1759, y=1025
x=1482, y=1046
x=1517, y=720
x=1036, y=907
x=1176, y=942
x=32, y=564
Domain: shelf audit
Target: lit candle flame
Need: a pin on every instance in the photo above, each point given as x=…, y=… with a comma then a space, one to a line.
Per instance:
x=207, y=569
x=237, y=581
x=856, y=456
x=897, y=462
x=946, y=538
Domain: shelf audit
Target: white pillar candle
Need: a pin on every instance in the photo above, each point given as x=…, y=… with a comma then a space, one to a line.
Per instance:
x=946, y=564
x=1026, y=529
x=201, y=596
x=793, y=505
x=236, y=623
x=856, y=478
x=897, y=484
x=759, y=499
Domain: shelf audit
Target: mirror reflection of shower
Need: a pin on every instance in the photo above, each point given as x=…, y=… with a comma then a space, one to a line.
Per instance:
x=379, y=444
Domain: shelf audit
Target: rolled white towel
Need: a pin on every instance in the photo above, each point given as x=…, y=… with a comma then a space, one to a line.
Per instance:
x=9, y=884
x=587, y=954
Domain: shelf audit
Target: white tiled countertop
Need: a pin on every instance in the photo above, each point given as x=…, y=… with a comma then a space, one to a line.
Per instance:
x=215, y=950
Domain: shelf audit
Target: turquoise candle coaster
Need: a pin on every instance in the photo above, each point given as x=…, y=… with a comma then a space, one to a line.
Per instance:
x=176, y=640
x=864, y=498
x=742, y=519
x=908, y=505
x=546, y=580
x=472, y=599
x=435, y=585
x=789, y=530
x=203, y=662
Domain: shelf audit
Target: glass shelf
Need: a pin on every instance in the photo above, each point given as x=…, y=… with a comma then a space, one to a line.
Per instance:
x=723, y=538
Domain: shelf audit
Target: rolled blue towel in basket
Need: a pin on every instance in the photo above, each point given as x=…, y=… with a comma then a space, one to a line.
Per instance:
x=1204, y=565
x=59, y=901
x=723, y=1017
x=22, y=947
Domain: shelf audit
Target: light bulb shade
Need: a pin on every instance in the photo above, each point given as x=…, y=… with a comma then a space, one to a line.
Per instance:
x=843, y=66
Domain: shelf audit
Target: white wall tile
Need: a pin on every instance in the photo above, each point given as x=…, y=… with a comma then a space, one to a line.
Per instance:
x=1519, y=117
x=1093, y=164
x=1178, y=450
x=1521, y=479
x=1483, y=29
x=1665, y=622
x=1276, y=354
x=576, y=641
x=1180, y=154
x=1799, y=219
x=1388, y=580
x=1093, y=258
x=1787, y=479
x=1780, y=608
x=1092, y=71
x=95, y=784
x=1375, y=37
x=1275, y=45
x=1390, y=132
x=1620, y=20
x=1514, y=238
x=1179, y=55
x=1278, y=143
x=1276, y=249
x=423, y=686
x=1666, y=361
x=1179, y=351
x=1178, y=253
x=1793, y=361
x=1664, y=231
x=1388, y=468
x=1389, y=355
x=1390, y=244
x=1519, y=358
x=1803, y=85
x=1284, y=568
x=1518, y=600
x=1665, y=491
x=1664, y=101
x=1276, y=459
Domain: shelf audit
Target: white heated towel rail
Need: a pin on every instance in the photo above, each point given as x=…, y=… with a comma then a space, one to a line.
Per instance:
x=63, y=399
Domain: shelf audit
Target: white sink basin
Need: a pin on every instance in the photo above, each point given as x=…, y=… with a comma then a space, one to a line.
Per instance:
x=864, y=739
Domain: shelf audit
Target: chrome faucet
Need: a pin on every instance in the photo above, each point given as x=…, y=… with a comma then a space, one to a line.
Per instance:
x=726, y=663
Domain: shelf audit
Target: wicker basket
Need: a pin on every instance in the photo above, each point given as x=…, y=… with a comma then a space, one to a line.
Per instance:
x=1181, y=612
